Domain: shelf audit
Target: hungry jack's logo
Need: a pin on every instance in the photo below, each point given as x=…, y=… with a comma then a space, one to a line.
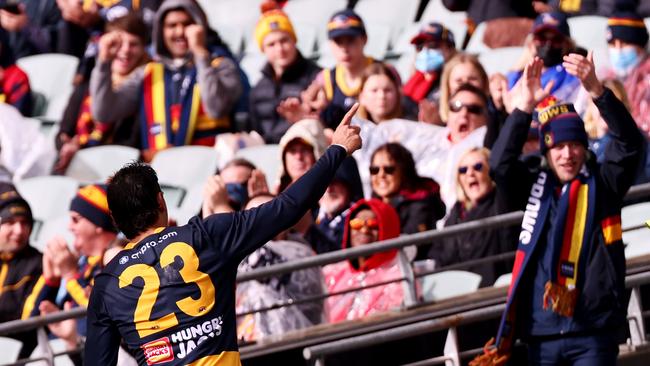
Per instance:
x=158, y=351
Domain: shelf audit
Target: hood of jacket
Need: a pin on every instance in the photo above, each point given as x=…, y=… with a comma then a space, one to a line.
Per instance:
x=389, y=227
x=309, y=131
x=192, y=8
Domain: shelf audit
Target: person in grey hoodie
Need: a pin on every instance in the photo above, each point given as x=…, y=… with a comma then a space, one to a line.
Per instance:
x=185, y=96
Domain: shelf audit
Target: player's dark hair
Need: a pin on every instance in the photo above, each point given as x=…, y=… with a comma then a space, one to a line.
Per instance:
x=133, y=198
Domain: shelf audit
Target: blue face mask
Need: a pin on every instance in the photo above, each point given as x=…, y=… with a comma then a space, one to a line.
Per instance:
x=624, y=60
x=238, y=193
x=429, y=60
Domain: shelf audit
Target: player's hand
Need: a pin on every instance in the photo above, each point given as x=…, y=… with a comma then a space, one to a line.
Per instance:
x=63, y=260
x=215, y=197
x=346, y=134
x=583, y=68
x=529, y=89
x=195, y=35
x=109, y=45
x=257, y=184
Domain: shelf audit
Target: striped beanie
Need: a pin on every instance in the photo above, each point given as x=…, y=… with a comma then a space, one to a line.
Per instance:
x=272, y=19
x=560, y=123
x=91, y=203
x=627, y=27
x=12, y=204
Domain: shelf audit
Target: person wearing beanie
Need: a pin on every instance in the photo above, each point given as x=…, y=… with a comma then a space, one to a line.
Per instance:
x=20, y=263
x=284, y=76
x=567, y=297
x=68, y=272
x=550, y=41
x=627, y=38
x=434, y=45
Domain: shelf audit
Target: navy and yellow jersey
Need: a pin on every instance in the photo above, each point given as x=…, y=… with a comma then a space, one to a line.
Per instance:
x=337, y=91
x=171, y=296
x=77, y=288
x=19, y=275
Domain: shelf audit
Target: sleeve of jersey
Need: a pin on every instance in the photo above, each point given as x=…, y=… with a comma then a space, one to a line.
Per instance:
x=250, y=229
x=103, y=338
x=43, y=291
x=77, y=292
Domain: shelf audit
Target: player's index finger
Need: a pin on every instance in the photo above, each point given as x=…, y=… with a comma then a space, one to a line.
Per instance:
x=348, y=116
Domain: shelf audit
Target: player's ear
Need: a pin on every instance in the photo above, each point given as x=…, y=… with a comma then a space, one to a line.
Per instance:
x=162, y=205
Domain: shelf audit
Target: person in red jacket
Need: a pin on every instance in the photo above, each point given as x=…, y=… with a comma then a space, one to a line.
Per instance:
x=14, y=83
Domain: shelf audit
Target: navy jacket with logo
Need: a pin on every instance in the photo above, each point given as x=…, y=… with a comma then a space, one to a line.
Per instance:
x=170, y=297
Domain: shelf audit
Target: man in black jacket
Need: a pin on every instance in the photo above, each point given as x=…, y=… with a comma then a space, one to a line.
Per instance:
x=286, y=74
x=568, y=290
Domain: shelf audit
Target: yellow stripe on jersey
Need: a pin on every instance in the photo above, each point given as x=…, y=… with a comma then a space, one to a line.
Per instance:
x=226, y=358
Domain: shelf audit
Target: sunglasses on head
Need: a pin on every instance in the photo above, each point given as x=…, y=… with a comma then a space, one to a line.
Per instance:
x=357, y=223
x=477, y=167
x=457, y=106
x=388, y=169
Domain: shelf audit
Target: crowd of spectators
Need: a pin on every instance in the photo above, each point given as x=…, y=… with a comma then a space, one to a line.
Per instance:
x=154, y=75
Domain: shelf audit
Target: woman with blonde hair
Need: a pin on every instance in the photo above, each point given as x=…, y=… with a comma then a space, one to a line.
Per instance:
x=478, y=198
x=461, y=69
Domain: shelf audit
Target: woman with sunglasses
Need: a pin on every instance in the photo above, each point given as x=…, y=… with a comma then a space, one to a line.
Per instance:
x=478, y=197
x=369, y=221
x=394, y=180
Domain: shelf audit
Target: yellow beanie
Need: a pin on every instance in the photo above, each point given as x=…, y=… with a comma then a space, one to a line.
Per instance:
x=271, y=20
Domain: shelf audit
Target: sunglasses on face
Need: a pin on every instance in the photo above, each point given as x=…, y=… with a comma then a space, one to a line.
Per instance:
x=388, y=169
x=477, y=167
x=457, y=106
x=357, y=223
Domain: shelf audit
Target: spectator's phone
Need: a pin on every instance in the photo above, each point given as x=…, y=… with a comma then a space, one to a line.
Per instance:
x=10, y=7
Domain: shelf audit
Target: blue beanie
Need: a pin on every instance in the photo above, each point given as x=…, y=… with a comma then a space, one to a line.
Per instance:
x=91, y=203
x=345, y=23
x=627, y=27
x=560, y=123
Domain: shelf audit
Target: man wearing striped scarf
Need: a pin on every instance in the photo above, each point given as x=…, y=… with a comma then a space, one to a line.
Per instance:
x=567, y=297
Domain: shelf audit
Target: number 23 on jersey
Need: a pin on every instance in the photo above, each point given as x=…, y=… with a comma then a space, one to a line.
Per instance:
x=189, y=273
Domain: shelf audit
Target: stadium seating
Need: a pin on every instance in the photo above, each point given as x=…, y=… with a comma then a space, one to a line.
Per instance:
x=589, y=31
x=55, y=87
x=183, y=169
x=10, y=349
x=636, y=235
x=500, y=60
x=97, y=164
x=265, y=158
x=503, y=280
x=447, y=284
x=456, y=21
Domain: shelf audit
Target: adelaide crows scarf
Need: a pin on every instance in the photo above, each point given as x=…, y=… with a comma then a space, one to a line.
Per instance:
x=572, y=227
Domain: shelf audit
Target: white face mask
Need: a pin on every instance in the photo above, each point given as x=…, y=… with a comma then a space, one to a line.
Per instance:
x=624, y=60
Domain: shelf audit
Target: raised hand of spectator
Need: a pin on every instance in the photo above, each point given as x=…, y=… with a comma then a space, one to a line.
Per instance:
x=14, y=22
x=215, y=197
x=499, y=91
x=109, y=45
x=347, y=135
x=314, y=98
x=50, y=272
x=583, y=68
x=66, y=329
x=428, y=112
x=257, y=183
x=74, y=11
x=292, y=110
x=62, y=259
x=529, y=89
x=195, y=35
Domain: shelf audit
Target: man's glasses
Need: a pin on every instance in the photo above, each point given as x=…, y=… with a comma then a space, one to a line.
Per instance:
x=357, y=223
x=457, y=106
x=477, y=167
x=388, y=169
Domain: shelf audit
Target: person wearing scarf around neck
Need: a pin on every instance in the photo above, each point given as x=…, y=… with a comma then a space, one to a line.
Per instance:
x=567, y=297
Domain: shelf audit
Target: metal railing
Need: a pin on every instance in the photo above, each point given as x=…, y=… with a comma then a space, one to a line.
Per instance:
x=417, y=239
